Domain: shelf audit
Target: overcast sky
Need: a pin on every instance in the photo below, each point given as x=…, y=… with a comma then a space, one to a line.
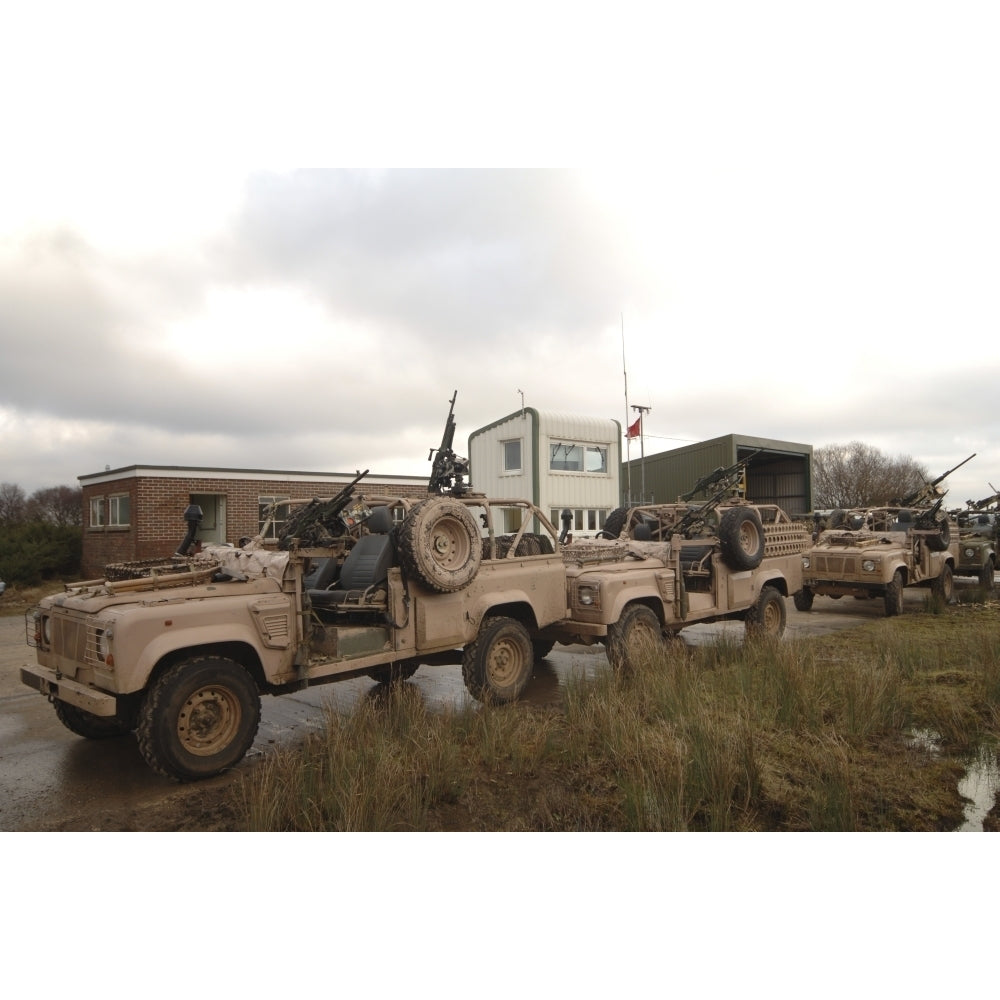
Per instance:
x=778, y=224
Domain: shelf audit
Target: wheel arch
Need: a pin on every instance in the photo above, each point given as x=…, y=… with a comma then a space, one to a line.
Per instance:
x=519, y=610
x=240, y=652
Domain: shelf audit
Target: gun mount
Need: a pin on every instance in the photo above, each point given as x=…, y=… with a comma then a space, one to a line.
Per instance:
x=929, y=492
x=320, y=521
x=989, y=501
x=449, y=470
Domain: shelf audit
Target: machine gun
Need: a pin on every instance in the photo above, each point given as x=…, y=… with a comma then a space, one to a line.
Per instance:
x=319, y=521
x=731, y=477
x=929, y=491
x=986, y=501
x=449, y=470
x=697, y=516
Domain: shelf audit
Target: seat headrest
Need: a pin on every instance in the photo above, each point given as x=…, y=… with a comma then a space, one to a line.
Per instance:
x=380, y=522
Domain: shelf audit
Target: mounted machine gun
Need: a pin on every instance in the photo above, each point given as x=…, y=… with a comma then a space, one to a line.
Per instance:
x=449, y=470
x=986, y=501
x=730, y=479
x=929, y=492
x=320, y=521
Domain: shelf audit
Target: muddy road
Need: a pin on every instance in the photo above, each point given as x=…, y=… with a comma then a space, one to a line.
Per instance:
x=52, y=779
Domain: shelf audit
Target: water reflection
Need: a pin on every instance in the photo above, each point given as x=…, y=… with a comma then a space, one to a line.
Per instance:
x=980, y=785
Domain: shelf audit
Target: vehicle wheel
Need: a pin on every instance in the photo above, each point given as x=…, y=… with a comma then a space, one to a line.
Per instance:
x=986, y=575
x=940, y=541
x=894, y=595
x=614, y=523
x=767, y=616
x=836, y=519
x=498, y=663
x=741, y=538
x=88, y=725
x=393, y=673
x=440, y=545
x=803, y=599
x=199, y=718
x=943, y=586
x=542, y=649
x=636, y=633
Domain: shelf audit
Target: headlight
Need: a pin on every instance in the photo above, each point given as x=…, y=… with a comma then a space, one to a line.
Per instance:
x=103, y=647
x=969, y=553
x=868, y=565
x=805, y=562
x=587, y=596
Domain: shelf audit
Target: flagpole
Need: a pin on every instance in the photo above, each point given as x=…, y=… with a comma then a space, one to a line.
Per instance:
x=628, y=440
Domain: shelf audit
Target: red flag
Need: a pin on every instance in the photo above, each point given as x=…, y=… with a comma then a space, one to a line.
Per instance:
x=633, y=431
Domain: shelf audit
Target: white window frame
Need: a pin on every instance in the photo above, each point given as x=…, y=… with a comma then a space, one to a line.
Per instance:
x=508, y=469
x=97, y=505
x=585, y=448
x=114, y=511
x=266, y=501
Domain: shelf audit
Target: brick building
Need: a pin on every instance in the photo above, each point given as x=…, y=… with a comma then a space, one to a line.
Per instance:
x=137, y=512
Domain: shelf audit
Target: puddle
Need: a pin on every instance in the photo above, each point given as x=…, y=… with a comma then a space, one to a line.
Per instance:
x=980, y=784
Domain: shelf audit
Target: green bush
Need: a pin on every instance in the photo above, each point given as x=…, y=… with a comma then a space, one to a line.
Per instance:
x=33, y=552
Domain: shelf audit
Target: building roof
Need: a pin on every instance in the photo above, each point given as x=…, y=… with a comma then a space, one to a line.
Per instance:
x=262, y=475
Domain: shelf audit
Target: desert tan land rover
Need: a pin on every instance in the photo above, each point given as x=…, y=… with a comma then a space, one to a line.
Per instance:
x=675, y=565
x=978, y=528
x=876, y=553
x=182, y=653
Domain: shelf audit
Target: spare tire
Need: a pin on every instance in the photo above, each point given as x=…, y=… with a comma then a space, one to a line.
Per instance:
x=741, y=538
x=940, y=541
x=614, y=523
x=439, y=545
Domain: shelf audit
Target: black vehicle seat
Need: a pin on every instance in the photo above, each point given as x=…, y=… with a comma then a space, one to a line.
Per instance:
x=366, y=566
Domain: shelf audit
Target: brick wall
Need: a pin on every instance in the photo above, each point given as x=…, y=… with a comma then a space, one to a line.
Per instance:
x=157, y=508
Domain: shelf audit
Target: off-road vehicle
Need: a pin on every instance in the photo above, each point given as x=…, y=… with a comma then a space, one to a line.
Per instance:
x=675, y=565
x=181, y=653
x=877, y=552
x=977, y=529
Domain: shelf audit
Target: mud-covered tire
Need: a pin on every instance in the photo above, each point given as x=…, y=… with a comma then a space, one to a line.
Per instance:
x=767, y=617
x=614, y=523
x=986, y=575
x=940, y=541
x=88, y=725
x=637, y=632
x=943, y=585
x=199, y=718
x=393, y=673
x=741, y=538
x=440, y=545
x=499, y=662
x=894, y=595
x=803, y=599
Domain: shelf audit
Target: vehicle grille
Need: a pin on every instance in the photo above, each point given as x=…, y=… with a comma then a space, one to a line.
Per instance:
x=835, y=565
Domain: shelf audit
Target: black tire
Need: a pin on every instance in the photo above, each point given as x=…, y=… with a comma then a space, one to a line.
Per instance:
x=894, y=595
x=199, y=718
x=836, y=519
x=393, y=673
x=542, y=649
x=767, y=617
x=440, y=545
x=803, y=599
x=943, y=585
x=636, y=632
x=497, y=665
x=88, y=725
x=986, y=575
x=940, y=541
x=741, y=538
x=614, y=523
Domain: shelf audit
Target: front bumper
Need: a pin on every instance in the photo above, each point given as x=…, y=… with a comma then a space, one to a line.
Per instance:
x=48, y=682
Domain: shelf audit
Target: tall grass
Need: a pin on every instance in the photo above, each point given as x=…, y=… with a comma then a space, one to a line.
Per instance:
x=795, y=735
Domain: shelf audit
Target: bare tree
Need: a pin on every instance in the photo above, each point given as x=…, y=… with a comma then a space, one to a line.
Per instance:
x=859, y=475
x=61, y=505
x=12, y=504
